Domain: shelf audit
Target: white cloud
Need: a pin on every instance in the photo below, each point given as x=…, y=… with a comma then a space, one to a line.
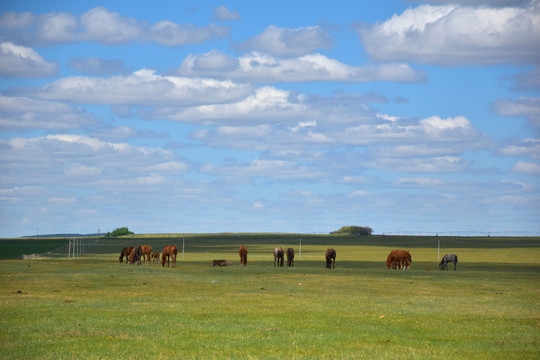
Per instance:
x=82, y=161
x=21, y=61
x=265, y=104
x=103, y=26
x=457, y=35
x=528, y=168
x=273, y=169
x=25, y=113
x=528, y=107
x=260, y=67
x=290, y=42
x=222, y=13
x=172, y=34
x=142, y=88
x=526, y=147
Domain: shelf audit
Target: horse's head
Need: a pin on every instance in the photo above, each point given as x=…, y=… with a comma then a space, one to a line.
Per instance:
x=121, y=258
x=163, y=259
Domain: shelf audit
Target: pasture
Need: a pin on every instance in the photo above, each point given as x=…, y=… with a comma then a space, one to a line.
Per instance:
x=94, y=307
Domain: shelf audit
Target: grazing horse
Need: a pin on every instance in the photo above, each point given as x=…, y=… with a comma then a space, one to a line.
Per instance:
x=330, y=258
x=125, y=252
x=290, y=257
x=135, y=256
x=146, y=252
x=446, y=259
x=155, y=258
x=243, y=255
x=169, y=252
x=221, y=263
x=399, y=259
x=278, y=255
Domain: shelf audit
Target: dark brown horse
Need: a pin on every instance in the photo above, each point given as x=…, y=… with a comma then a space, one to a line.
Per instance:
x=135, y=256
x=243, y=255
x=125, y=253
x=330, y=258
x=155, y=257
x=278, y=255
x=146, y=253
x=221, y=263
x=290, y=257
x=169, y=252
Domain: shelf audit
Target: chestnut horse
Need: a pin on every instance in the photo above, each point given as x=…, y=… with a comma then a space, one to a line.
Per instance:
x=125, y=252
x=135, y=256
x=278, y=254
x=146, y=253
x=330, y=258
x=243, y=255
x=155, y=257
x=290, y=257
x=169, y=252
x=399, y=259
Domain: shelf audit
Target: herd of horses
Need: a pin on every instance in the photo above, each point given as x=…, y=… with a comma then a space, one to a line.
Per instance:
x=134, y=255
x=397, y=259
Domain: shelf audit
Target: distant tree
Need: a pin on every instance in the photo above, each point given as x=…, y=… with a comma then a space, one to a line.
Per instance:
x=354, y=230
x=119, y=232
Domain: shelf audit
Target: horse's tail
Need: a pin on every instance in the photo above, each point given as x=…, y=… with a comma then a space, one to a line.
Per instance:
x=456, y=258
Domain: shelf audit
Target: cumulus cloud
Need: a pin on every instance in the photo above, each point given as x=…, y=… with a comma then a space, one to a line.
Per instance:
x=172, y=34
x=24, y=62
x=141, y=88
x=526, y=147
x=222, y=13
x=528, y=168
x=68, y=159
x=289, y=42
x=273, y=169
x=457, y=35
x=103, y=26
x=22, y=113
x=260, y=67
x=528, y=107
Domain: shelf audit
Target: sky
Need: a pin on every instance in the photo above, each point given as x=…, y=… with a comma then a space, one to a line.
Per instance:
x=410, y=117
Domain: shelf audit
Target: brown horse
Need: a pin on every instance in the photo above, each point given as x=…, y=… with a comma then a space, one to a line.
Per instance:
x=278, y=255
x=169, y=251
x=125, y=253
x=330, y=258
x=243, y=255
x=399, y=259
x=135, y=256
x=146, y=253
x=290, y=257
x=221, y=263
x=155, y=257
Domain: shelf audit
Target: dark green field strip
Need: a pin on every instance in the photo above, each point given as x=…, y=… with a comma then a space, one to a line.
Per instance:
x=15, y=248
x=229, y=243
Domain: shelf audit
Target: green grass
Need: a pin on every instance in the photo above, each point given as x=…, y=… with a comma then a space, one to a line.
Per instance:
x=94, y=307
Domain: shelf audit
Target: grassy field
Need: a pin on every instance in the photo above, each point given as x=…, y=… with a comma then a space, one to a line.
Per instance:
x=94, y=307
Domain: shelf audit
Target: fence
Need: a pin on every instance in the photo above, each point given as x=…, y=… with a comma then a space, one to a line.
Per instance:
x=79, y=246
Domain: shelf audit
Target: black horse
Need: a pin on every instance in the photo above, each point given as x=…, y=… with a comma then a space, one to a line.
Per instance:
x=446, y=259
x=330, y=258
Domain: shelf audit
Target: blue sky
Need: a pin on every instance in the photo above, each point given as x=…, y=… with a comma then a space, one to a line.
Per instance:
x=241, y=116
